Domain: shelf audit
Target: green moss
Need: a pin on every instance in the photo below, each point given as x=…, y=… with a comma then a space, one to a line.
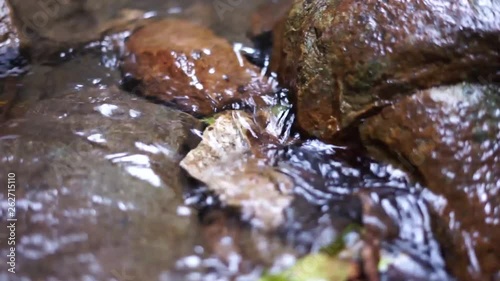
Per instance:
x=210, y=120
x=367, y=74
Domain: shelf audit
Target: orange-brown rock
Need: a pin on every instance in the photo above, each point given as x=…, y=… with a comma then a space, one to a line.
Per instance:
x=187, y=65
x=450, y=137
x=344, y=58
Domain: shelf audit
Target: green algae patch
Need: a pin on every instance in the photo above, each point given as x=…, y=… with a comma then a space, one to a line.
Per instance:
x=315, y=267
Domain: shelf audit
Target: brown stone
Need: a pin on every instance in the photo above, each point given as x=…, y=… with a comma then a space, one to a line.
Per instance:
x=189, y=66
x=450, y=138
x=343, y=58
x=78, y=160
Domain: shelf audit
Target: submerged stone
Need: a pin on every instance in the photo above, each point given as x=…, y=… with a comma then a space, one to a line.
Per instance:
x=449, y=138
x=231, y=165
x=98, y=184
x=187, y=65
x=344, y=58
x=51, y=26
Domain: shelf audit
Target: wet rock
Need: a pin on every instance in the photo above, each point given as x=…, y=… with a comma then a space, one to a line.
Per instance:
x=449, y=138
x=187, y=65
x=229, y=163
x=75, y=77
x=344, y=58
x=49, y=26
x=266, y=29
x=62, y=92
x=99, y=187
x=268, y=15
x=11, y=61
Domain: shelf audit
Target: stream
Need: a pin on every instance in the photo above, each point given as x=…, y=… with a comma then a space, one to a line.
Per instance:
x=101, y=193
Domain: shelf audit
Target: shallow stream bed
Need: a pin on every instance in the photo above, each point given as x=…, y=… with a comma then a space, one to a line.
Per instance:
x=101, y=194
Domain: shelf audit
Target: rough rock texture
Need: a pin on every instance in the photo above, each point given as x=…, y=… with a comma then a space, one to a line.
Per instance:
x=450, y=138
x=341, y=58
x=98, y=188
x=188, y=65
x=228, y=162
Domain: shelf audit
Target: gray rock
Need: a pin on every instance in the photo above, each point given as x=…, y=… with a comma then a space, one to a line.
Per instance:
x=98, y=187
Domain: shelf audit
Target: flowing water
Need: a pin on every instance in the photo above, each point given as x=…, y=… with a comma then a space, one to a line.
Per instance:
x=101, y=195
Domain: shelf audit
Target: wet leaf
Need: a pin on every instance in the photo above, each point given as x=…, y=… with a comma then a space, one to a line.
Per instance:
x=209, y=120
x=314, y=267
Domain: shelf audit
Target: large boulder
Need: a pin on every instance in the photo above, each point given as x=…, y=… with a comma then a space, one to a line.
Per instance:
x=449, y=137
x=187, y=65
x=98, y=185
x=343, y=58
